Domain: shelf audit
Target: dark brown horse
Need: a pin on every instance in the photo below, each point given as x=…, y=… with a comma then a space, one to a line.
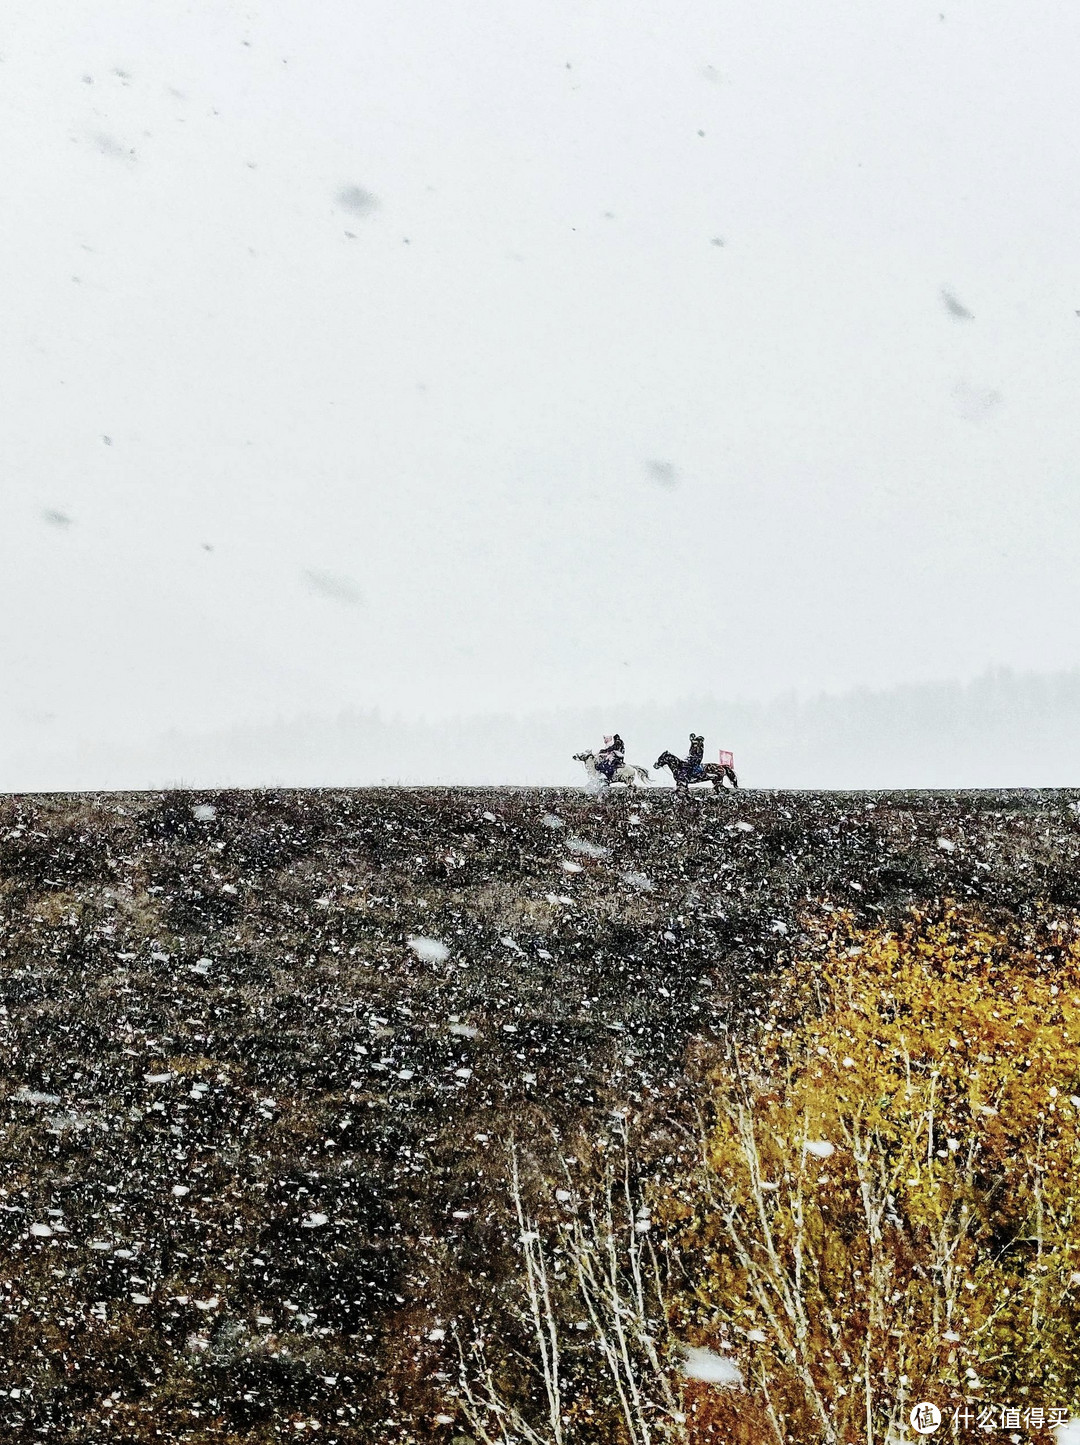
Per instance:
x=718, y=774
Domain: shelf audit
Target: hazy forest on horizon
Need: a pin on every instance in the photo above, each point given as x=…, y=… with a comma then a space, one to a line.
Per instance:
x=1003, y=729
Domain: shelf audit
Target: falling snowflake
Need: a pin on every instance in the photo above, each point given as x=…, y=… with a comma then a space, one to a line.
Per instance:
x=713, y=1369
x=429, y=950
x=357, y=200
x=664, y=474
x=30, y=1096
x=956, y=308
x=819, y=1148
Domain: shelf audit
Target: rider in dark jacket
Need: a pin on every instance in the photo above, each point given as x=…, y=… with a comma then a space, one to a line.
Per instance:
x=695, y=755
x=611, y=756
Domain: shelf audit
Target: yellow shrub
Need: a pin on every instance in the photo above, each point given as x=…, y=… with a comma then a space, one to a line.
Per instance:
x=887, y=1207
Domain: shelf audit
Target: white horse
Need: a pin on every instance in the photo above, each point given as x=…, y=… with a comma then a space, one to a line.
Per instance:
x=628, y=773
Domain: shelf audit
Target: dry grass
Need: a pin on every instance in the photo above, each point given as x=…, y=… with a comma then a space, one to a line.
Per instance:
x=886, y=1208
x=601, y=1361
x=389, y=1112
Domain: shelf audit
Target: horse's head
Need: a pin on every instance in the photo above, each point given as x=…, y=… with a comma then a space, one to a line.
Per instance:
x=664, y=760
x=584, y=757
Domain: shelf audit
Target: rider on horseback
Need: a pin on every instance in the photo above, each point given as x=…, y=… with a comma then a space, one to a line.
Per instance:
x=695, y=755
x=611, y=756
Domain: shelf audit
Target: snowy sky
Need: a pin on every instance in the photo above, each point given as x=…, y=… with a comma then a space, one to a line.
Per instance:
x=453, y=357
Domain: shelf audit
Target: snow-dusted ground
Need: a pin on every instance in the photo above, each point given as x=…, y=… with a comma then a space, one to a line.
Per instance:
x=265, y=1051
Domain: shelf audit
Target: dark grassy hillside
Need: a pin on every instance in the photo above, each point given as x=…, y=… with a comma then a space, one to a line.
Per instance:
x=254, y=1146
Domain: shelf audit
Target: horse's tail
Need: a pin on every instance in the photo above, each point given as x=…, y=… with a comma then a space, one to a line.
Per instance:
x=641, y=772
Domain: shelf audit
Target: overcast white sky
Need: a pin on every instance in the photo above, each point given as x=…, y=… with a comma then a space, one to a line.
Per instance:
x=521, y=356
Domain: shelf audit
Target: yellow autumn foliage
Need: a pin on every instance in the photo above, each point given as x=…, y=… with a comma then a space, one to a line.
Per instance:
x=887, y=1207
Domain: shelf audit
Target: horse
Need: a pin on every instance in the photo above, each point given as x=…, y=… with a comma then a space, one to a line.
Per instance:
x=718, y=774
x=627, y=773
